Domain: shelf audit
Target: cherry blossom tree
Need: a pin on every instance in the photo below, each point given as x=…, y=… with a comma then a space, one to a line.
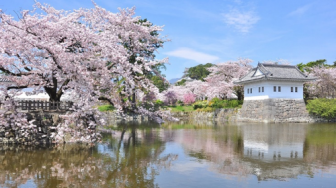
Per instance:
x=325, y=85
x=170, y=98
x=189, y=98
x=94, y=53
x=220, y=81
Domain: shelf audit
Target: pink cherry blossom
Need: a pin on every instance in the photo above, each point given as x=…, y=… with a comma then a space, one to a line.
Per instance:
x=86, y=52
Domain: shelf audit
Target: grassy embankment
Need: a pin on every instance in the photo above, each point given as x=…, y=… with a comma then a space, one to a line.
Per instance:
x=207, y=106
x=202, y=106
x=106, y=107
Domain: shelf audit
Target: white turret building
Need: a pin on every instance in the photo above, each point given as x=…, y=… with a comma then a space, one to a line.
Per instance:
x=274, y=93
x=271, y=81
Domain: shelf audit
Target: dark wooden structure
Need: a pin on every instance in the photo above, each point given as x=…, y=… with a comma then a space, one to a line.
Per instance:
x=33, y=105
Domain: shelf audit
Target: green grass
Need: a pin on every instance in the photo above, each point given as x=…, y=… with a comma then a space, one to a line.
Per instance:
x=181, y=108
x=105, y=108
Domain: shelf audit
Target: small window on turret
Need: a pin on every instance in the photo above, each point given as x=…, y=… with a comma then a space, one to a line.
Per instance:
x=274, y=88
x=279, y=88
x=296, y=89
x=291, y=89
x=251, y=90
x=262, y=89
x=259, y=89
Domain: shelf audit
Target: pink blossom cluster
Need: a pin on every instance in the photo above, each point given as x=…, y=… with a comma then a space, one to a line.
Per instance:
x=86, y=52
x=325, y=85
x=218, y=84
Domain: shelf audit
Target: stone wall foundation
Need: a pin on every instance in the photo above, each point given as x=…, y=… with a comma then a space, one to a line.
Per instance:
x=274, y=110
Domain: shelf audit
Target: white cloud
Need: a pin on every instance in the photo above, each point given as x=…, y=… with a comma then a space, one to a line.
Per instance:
x=187, y=53
x=301, y=10
x=238, y=1
x=243, y=21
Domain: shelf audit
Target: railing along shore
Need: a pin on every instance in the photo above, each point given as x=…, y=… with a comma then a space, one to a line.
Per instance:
x=32, y=105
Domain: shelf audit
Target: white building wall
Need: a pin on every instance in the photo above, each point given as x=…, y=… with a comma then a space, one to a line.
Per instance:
x=269, y=92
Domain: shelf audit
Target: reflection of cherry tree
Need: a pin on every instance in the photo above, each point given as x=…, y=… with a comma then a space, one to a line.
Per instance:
x=224, y=150
x=131, y=162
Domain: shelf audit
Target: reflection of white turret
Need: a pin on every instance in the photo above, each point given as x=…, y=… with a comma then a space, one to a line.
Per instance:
x=274, y=150
x=268, y=151
x=277, y=141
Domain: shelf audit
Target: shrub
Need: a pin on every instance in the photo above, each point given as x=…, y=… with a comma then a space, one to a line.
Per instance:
x=159, y=102
x=217, y=103
x=200, y=104
x=179, y=102
x=325, y=108
x=232, y=103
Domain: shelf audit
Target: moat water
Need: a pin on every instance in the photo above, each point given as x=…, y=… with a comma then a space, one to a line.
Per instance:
x=173, y=155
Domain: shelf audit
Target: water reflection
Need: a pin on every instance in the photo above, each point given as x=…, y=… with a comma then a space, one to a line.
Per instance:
x=267, y=151
x=190, y=155
x=132, y=161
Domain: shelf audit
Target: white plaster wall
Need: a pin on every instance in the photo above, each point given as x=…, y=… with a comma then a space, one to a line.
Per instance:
x=269, y=93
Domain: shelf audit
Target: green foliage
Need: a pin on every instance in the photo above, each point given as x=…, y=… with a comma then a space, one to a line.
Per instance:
x=325, y=108
x=200, y=104
x=181, y=83
x=107, y=107
x=179, y=108
x=318, y=63
x=198, y=72
x=182, y=109
x=159, y=102
x=159, y=83
x=179, y=102
x=216, y=103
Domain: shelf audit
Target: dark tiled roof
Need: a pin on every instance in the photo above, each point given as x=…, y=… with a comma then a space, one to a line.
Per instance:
x=274, y=72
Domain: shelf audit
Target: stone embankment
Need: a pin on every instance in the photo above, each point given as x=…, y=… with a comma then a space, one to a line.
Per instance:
x=277, y=111
x=267, y=111
x=112, y=118
x=204, y=118
x=44, y=128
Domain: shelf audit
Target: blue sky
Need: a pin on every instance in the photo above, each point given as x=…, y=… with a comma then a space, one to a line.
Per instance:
x=220, y=30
